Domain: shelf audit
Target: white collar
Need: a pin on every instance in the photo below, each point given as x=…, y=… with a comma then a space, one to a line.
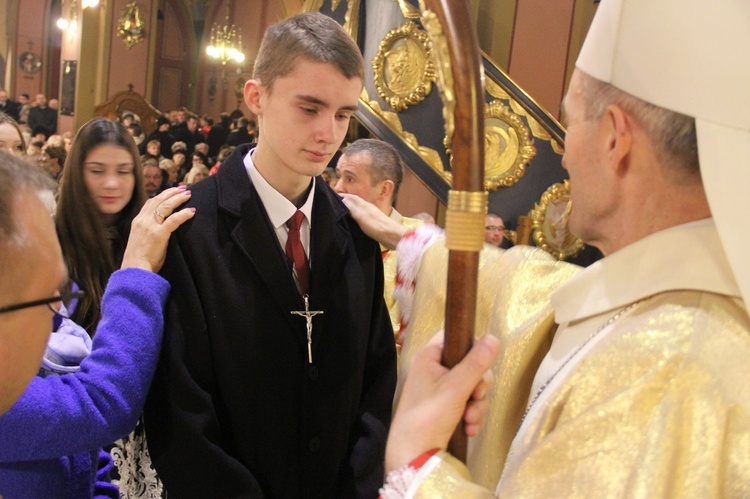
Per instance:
x=395, y=216
x=279, y=208
x=688, y=256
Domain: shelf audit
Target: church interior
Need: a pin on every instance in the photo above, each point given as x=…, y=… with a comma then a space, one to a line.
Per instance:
x=108, y=57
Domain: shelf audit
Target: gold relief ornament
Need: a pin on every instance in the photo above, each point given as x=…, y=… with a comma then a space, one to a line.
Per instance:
x=430, y=156
x=403, y=67
x=508, y=146
x=549, y=222
x=130, y=26
x=537, y=130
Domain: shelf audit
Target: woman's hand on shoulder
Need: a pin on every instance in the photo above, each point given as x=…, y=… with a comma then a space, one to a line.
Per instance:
x=150, y=230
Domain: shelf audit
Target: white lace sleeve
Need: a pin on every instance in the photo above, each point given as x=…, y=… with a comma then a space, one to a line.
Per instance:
x=138, y=479
x=398, y=482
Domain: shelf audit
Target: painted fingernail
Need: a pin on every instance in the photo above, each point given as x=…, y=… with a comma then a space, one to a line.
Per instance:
x=183, y=187
x=187, y=193
x=192, y=209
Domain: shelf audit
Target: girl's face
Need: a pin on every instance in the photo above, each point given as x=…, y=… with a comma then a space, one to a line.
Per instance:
x=10, y=140
x=108, y=172
x=199, y=176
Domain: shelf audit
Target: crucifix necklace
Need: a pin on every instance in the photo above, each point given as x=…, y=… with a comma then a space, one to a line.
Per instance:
x=308, y=315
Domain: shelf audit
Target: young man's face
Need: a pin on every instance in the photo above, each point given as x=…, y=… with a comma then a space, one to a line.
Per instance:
x=302, y=121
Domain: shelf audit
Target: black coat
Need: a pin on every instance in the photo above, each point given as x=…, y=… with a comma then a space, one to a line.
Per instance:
x=217, y=136
x=235, y=409
x=42, y=119
x=11, y=108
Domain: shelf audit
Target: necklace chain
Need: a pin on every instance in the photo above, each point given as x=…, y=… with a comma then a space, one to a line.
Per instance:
x=573, y=355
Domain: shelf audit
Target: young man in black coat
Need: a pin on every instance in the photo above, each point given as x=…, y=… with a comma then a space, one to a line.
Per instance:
x=273, y=382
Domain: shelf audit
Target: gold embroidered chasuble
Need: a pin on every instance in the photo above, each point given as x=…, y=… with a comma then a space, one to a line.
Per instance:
x=655, y=405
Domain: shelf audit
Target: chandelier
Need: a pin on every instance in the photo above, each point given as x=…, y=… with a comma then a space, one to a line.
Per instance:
x=226, y=42
x=70, y=24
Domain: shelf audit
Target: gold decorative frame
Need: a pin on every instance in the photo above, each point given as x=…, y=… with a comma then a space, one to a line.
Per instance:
x=391, y=119
x=549, y=222
x=509, y=147
x=403, y=67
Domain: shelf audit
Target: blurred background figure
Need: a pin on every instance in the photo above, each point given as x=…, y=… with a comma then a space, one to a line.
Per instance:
x=494, y=228
x=425, y=217
x=11, y=138
x=52, y=160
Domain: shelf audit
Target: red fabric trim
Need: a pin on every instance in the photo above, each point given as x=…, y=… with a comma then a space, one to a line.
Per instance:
x=419, y=461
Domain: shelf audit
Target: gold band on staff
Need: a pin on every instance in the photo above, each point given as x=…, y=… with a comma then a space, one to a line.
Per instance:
x=464, y=221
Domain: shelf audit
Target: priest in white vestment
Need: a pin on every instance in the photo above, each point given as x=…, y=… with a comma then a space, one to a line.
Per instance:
x=642, y=391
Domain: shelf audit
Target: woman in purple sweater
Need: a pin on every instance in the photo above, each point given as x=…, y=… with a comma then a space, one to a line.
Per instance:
x=50, y=439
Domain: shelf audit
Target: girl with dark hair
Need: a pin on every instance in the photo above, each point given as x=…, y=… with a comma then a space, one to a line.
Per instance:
x=11, y=138
x=101, y=192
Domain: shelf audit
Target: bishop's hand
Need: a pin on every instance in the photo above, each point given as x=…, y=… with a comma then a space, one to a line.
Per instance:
x=434, y=399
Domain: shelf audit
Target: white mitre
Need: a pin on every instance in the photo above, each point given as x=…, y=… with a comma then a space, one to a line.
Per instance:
x=691, y=57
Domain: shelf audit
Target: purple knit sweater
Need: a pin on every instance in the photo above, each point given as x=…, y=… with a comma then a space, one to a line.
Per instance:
x=51, y=438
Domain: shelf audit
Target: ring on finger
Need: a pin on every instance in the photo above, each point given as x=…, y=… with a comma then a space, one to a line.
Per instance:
x=156, y=212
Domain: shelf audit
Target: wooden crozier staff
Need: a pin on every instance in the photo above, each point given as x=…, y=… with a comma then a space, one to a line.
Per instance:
x=460, y=73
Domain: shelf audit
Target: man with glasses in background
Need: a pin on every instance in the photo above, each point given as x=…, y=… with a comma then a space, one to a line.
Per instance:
x=494, y=229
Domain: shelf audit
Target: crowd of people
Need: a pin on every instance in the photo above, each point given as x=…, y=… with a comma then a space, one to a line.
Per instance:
x=230, y=336
x=184, y=148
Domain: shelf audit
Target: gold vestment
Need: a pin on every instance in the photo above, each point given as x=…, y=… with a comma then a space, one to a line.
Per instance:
x=660, y=407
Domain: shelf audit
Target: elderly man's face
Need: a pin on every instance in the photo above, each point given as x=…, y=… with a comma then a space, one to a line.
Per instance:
x=585, y=160
x=151, y=178
x=31, y=271
x=3, y=95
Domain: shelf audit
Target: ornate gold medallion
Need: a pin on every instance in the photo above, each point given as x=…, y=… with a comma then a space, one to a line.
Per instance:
x=549, y=221
x=403, y=67
x=508, y=146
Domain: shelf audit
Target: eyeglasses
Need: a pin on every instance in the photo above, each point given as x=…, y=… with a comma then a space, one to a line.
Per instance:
x=495, y=227
x=65, y=298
